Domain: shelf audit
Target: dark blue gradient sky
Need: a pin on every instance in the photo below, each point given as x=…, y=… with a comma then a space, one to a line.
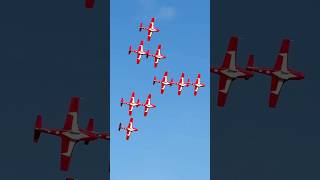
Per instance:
x=50, y=51
x=251, y=141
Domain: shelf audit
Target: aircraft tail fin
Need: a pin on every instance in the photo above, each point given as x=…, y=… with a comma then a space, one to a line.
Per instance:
x=121, y=102
x=120, y=127
x=130, y=49
x=140, y=26
x=154, y=80
x=148, y=53
x=188, y=82
x=250, y=62
x=90, y=128
x=90, y=125
x=37, y=131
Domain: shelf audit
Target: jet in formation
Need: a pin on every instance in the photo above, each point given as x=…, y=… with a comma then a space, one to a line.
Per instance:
x=129, y=129
x=280, y=73
x=151, y=29
x=147, y=105
x=229, y=71
x=140, y=52
x=158, y=56
x=70, y=134
x=164, y=82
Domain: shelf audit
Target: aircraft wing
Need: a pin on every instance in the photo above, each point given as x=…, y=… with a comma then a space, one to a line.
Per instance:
x=230, y=57
x=66, y=153
x=196, y=88
x=128, y=135
x=224, y=86
x=163, y=86
x=130, y=110
x=71, y=122
x=276, y=85
x=156, y=61
x=89, y=3
x=282, y=58
x=149, y=35
x=146, y=110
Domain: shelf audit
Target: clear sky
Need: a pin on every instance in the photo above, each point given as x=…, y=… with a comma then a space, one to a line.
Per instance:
x=51, y=51
x=173, y=141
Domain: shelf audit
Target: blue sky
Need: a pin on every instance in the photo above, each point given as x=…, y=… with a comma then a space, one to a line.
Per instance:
x=173, y=141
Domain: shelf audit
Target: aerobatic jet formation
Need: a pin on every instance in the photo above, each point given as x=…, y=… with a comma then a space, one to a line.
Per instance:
x=129, y=129
x=150, y=29
x=140, y=52
x=147, y=105
x=164, y=82
x=182, y=84
x=158, y=56
x=133, y=104
x=71, y=134
x=280, y=73
x=229, y=71
x=197, y=84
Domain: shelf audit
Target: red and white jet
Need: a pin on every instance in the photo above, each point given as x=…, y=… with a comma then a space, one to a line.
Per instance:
x=131, y=104
x=129, y=129
x=158, y=56
x=163, y=82
x=139, y=52
x=89, y=4
x=229, y=71
x=70, y=135
x=150, y=29
x=197, y=84
x=280, y=73
x=182, y=84
x=147, y=105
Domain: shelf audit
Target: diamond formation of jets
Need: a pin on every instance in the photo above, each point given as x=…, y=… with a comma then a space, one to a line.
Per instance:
x=229, y=71
x=151, y=29
x=71, y=134
x=280, y=73
x=147, y=105
x=129, y=129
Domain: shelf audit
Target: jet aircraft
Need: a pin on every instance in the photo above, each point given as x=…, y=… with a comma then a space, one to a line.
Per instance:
x=70, y=134
x=229, y=71
x=140, y=52
x=150, y=29
x=164, y=82
x=280, y=73
x=129, y=129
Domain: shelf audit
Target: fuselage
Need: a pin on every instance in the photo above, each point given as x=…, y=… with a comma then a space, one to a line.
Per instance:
x=80, y=135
